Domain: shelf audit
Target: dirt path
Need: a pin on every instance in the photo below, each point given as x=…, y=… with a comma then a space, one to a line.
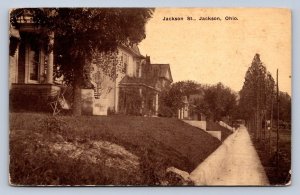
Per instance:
x=243, y=166
x=234, y=163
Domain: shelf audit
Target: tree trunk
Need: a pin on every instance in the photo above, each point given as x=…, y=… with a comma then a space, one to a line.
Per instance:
x=260, y=119
x=77, y=91
x=256, y=119
x=77, y=99
x=255, y=125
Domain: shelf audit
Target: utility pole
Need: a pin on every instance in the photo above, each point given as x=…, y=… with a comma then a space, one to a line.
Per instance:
x=277, y=138
x=271, y=123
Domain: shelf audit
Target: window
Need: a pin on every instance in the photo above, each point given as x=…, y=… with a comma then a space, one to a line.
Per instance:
x=33, y=55
x=125, y=61
x=138, y=69
x=34, y=66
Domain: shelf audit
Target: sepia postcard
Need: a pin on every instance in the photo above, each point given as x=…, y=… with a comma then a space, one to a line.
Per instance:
x=150, y=97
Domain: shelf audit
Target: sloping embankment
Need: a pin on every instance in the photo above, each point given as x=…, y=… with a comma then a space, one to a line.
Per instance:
x=157, y=143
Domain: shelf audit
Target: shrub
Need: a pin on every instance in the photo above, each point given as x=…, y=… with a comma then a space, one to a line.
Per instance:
x=165, y=111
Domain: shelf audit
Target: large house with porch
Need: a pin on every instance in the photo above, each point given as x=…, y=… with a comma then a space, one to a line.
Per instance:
x=135, y=90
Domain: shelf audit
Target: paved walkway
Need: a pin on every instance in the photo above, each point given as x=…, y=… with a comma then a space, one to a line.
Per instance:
x=243, y=166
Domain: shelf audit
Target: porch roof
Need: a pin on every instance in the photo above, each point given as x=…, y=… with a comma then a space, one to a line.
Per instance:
x=127, y=80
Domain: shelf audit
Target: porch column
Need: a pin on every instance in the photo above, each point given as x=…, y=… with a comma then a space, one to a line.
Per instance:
x=116, y=96
x=142, y=103
x=156, y=104
x=179, y=113
x=50, y=60
x=182, y=113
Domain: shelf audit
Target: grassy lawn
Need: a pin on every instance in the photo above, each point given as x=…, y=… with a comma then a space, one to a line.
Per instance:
x=94, y=150
x=280, y=175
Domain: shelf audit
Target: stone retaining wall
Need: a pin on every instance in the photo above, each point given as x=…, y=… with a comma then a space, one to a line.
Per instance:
x=212, y=166
x=202, y=125
x=199, y=124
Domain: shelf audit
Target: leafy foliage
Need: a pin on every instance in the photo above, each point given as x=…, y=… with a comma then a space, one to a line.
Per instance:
x=258, y=105
x=108, y=62
x=80, y=32
x=105, y=65
x=218, y=101
x=214, y=101
x=172, y=97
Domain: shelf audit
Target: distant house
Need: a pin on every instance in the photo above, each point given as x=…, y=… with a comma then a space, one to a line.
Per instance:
x=135, y=90
x=188, y=111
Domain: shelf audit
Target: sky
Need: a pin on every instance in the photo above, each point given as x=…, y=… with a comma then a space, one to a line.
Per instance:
x=221, y=50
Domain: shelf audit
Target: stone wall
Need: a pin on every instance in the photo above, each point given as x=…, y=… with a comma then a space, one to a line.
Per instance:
x=199, y=124
x=202, y=125
x=211, y=168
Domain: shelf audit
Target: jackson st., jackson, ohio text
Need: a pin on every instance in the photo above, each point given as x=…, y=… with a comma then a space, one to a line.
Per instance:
x=203, y=18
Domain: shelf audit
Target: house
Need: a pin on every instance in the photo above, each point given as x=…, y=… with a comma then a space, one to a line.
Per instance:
x=134, y=89
x=31, y=67
x=188, y=111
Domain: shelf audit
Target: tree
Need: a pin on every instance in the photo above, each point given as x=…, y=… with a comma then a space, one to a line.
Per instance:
x=256, y=96
x=80, y=32
x=218, y=101
x=214, y=101
x=172, y=97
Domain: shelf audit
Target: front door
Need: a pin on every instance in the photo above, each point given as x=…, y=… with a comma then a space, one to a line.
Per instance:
x=31, y=59
x=33, y=64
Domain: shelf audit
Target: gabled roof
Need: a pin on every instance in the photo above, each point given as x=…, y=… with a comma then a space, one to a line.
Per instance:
x=163, y=71
x=151, y=73
x=134, y=50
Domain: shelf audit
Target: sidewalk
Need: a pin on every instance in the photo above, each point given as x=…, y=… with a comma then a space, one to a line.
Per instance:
x=242, y=165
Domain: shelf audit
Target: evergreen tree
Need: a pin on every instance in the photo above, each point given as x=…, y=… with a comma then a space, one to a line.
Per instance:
x=256, y=97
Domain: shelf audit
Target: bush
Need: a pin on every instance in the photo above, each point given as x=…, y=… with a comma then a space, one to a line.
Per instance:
x=165, y=111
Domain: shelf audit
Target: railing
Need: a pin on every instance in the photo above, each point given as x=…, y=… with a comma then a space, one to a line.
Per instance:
x=96, y=94
x=226, y=126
